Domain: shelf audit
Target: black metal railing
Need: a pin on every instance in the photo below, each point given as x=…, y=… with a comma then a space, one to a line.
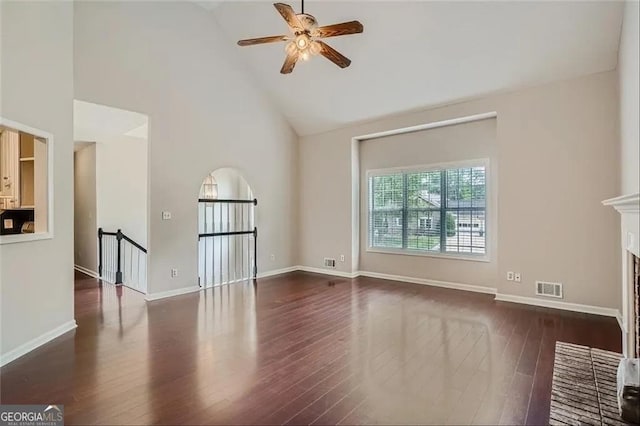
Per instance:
x=121, y=260
x=227, y=241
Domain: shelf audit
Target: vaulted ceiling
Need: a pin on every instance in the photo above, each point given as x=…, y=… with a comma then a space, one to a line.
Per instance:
x=414, y=54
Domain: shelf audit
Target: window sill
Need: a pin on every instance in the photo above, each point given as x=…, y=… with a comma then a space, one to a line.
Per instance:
x=23, y=238
x=473, y=258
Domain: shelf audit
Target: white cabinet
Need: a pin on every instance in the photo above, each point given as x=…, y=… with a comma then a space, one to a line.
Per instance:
x=17, y=169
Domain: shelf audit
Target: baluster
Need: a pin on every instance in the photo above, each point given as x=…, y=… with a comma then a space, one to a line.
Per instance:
x=205, y=260
x=228, y=246
x=242, y=238
x=220, y=246
x=119, y=256
x=131, y=265
x=138, y=270
x=100, y=252
x=255, y=253
x=109, y=261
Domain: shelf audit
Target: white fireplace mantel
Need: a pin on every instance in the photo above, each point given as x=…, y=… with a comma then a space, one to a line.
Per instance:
x=629, y=208
x=625, y=203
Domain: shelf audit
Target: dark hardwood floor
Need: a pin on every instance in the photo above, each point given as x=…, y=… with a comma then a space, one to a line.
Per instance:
x=302, y=348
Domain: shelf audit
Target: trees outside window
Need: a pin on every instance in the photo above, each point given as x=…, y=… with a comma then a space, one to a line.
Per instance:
x=407, y=210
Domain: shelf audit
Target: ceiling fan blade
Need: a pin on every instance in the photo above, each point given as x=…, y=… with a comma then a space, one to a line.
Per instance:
x=333, y=55
x=289, y=15
x=261, y=40
x=345, y=28
x=289, y=63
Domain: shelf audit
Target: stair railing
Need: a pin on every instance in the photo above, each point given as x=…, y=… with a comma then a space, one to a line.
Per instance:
x=121, y=260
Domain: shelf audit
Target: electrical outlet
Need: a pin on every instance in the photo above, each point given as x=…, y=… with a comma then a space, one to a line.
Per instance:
x=517, y=277
x=174, y=272
x=510, y=276
x=166, y=215
x=342, y=258
x=272, y=257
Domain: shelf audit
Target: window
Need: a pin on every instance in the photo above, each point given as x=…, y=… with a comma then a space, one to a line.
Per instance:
x=424, y=223
x=433, y=210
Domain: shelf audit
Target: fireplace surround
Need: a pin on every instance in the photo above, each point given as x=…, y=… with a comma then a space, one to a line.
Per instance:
x=629, y=208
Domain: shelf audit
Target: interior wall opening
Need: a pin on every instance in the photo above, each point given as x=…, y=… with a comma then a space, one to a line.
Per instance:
x=226, y=229
x=25, y=183
x=111, y=193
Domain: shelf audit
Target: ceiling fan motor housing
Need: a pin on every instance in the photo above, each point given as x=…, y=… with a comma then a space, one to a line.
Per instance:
x=308, y=22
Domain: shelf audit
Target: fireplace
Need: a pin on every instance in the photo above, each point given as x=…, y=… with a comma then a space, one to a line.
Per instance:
x=629, y=208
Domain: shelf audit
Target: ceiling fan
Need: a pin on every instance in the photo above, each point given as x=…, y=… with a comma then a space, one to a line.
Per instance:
x=305, y=38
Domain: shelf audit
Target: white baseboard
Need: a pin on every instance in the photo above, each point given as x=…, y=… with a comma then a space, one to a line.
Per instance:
x=186, y=290
x=86, y=271
x=621, y=322
x=434, y=283
x=278, y=272
x=555, y=304
x=327, y=272
x=171, y=293
x=37, y=342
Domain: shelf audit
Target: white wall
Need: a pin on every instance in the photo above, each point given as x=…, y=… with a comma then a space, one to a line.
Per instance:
x=168, y=60
x=121, y=182
x=36, y=278
x=628, y=73
x=558, y=159
x=85, y=224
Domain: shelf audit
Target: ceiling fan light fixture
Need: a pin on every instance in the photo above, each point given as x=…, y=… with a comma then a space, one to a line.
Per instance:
x=302, y=41
x=291, y=48
x=315, y=47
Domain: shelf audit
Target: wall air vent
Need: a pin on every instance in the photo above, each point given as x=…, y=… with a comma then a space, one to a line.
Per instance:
x=329, y=263
x=544, y=288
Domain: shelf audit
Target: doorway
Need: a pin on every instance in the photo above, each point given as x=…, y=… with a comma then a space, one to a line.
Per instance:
x=111, y=194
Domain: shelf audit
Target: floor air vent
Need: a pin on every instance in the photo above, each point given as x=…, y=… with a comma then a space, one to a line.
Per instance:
x=544, y=288
x=329, y=263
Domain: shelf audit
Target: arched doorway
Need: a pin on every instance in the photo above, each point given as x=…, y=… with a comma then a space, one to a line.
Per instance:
x=226, y=229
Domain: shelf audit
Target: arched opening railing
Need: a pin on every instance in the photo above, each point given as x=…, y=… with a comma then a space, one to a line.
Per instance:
x=227, y=235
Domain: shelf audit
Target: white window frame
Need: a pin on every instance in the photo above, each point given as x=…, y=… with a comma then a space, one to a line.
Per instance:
x=488, y=230
x=428, y=221
x=48, y=234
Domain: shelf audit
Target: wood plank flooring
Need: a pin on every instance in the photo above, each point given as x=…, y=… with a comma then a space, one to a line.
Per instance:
x=302, y=348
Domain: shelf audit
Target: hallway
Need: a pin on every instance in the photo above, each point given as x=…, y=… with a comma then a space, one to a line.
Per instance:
x=302, y=348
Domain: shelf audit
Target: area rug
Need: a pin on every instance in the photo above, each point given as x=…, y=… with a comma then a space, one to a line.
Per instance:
x=584, y=386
